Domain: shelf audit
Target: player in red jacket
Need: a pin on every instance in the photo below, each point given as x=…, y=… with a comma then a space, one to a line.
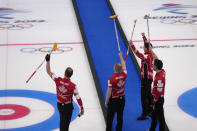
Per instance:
x=65, y=90
x=158, y=97
x=146, y=70
x=115, y=96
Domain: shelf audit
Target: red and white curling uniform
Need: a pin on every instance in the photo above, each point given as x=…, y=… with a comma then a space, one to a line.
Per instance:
x=147, y=59
x=117, y=83
x=158, y=86
x=65, y=90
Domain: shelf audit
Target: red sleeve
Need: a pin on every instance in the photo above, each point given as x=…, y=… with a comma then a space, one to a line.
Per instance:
x=148, y=59
x=156, y=97
x=140, y=55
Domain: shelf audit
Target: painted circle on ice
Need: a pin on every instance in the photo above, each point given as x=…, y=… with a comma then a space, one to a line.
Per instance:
x=12, y=111
x=6, y=112
x=37, y=108
x=32, y=100
x=187, y=102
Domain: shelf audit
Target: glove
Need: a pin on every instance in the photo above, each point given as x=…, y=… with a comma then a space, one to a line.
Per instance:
x=47, y=57
x=82, y=112
x=152, y=107
x=150, y=110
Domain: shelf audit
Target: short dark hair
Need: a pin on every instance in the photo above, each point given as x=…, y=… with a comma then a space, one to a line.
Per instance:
x=68, y=72
x=158, y=63
x=146, y=45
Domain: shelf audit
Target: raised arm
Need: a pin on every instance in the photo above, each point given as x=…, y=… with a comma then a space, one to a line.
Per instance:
x=48, y=67
x=144, y=37
x=122, y=61
x=139, y=54
x=153, y=53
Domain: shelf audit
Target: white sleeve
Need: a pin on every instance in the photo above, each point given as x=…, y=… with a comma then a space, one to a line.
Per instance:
x=125, y=71
x=76, y=94
x=109, y=83
x=53, y=76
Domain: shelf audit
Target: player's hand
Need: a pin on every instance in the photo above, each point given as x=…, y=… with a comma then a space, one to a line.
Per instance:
x=106, y=104
x=81, y=112
x=143, y=34
x=152, y=107
x=146, y=16
x=47, y=57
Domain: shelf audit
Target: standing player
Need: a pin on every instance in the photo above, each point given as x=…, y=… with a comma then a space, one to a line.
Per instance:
x=150, y=45
x=146, y=76
x=158, y=94
x=65, y=90
x=115, y=96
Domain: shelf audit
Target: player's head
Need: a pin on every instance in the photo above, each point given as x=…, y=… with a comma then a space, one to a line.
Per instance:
x=147, y=46
x=158, y=64
x=68, y=72
x=117, y=68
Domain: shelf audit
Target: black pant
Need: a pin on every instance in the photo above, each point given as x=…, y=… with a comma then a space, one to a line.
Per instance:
x=158, y=115
x=146, y=95
x=65, y=111
x=115, y=105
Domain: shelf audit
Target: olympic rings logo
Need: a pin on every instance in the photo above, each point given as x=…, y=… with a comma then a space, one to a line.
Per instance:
x=15, y=26
x=180, y=21
x=44, y=50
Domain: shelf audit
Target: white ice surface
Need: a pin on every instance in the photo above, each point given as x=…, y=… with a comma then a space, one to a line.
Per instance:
x=59, y=24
